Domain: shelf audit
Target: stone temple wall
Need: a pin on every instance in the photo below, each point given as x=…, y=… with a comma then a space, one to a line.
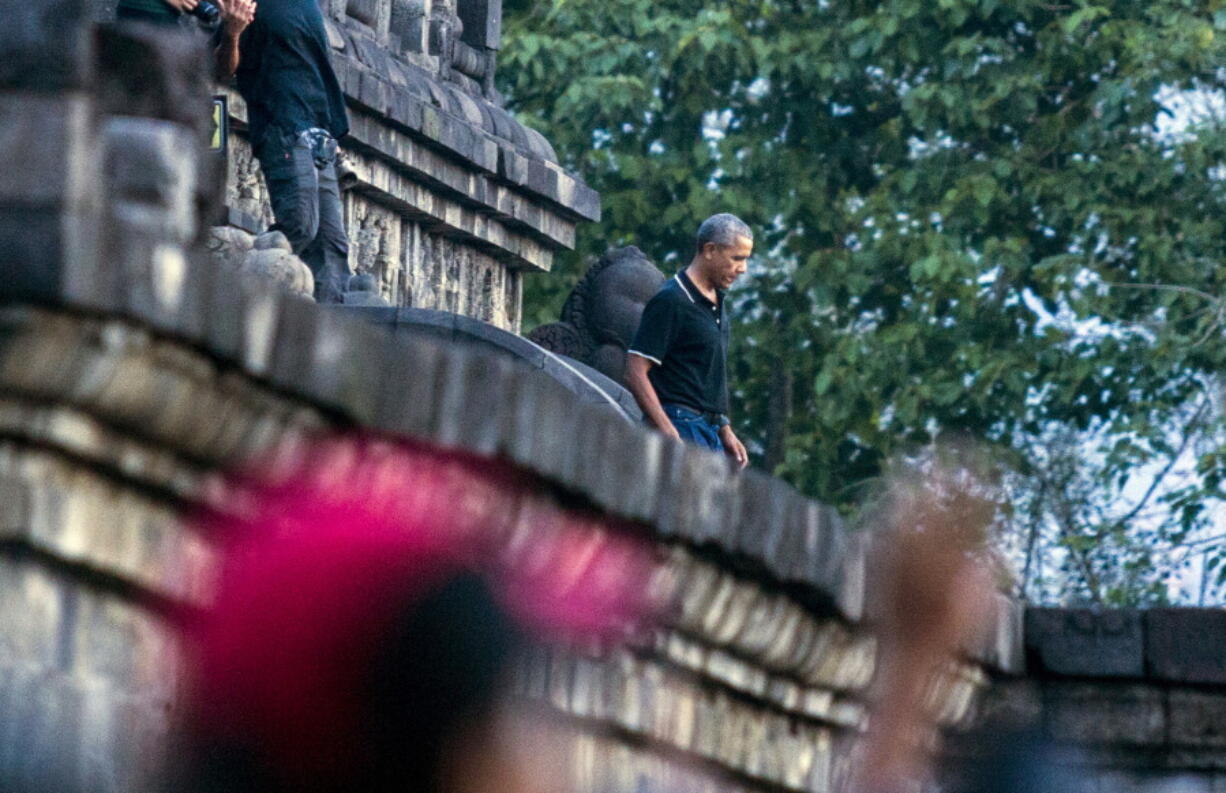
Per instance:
x=135, y=371
x=455, y=200
x=1136, y=698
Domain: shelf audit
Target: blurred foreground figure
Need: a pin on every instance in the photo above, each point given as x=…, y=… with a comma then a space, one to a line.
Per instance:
x=363, y=633
x=937, y=584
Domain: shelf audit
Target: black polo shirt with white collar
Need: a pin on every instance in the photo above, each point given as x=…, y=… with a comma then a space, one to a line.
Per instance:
x=686, y=336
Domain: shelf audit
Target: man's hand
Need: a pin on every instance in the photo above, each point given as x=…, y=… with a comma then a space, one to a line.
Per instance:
x=183, y=6
x=236, y=15
x=733, y=446
x=669, y=431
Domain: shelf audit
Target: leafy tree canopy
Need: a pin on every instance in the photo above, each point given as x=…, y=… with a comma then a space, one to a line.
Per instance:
x=967, y=221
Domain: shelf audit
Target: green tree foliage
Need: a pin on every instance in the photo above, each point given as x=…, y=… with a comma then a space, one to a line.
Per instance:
x=967, y=221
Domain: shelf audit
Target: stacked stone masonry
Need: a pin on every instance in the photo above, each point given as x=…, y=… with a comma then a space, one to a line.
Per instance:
x=454, y=199
x=101, y=460
x=1137, y=698
x=134, y=372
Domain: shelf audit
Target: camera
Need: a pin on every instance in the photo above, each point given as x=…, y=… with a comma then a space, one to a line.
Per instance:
x=207, y=13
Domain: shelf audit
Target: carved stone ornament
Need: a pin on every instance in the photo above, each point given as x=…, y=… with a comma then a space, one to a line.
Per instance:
x=602, y=313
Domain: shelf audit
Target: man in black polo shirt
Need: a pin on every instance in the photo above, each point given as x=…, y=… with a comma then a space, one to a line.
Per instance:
x=677, y=365
x=295, y=116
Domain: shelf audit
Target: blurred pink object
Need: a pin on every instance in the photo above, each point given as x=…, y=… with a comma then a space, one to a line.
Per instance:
x=333, y=549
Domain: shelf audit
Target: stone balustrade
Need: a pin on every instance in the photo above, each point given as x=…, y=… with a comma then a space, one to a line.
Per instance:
x=134, y=372
x=1136, y=700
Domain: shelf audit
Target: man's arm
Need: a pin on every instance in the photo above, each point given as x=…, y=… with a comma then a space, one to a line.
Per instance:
x=644, y=392
x=236, y=15
x=733, y=446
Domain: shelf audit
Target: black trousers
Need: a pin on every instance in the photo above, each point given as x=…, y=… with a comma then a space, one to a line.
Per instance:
x=300, y=171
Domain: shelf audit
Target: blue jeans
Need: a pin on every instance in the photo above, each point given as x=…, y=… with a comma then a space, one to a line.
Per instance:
x=693, y=428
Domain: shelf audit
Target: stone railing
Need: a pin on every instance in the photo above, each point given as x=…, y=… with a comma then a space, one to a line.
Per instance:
x=759, y=674
x=1136, y=700
x=134, y=371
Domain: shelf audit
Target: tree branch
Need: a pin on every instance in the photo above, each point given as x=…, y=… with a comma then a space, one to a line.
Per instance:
x=1157, y=480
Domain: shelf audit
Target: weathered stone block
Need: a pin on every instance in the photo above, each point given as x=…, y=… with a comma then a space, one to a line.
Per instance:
x=406, y=110
x=81, y=517
x=346, y=357
x=224, y=328
x=819, y=544
x=1085, y=642
x=192, y=319
x=1012, y=704
x=630, y=491
x=512, y=165
x=1186, y=645
x=156, y=276
x=472, y=402
x=45, y=45
x=601, y=456
x=260, y=310
x=407, y=22
x=47, y=143
x=760, y=511
x=295, y=330
x=543, y=179
x=406, y=401
x=41, y=729
x=365, y=11
x=1152, y=782
x=852, y=591
x=32, y=612
x=1198, y=718
x=766, y=533
x=127, y=647
x=42, y=250
x=151, y=177
x=840, y=660
x=1131, y=715
x=696, y=506
x=543, y=425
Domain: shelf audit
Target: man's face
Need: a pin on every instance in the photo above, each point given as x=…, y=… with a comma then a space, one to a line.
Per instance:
x=726, y=263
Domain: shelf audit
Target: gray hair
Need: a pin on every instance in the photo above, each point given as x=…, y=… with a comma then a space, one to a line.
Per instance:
x=722, y=229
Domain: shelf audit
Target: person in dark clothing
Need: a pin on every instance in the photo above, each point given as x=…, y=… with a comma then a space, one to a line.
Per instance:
x=158, y=12
x=676, y=366
x=295, y=114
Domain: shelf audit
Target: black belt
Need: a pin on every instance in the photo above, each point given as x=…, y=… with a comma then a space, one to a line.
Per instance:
x=322, y=144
